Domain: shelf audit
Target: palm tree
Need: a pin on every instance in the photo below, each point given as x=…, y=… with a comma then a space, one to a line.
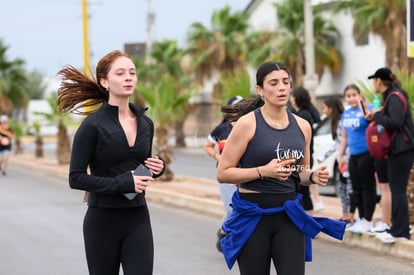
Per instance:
x=166, y=88
x=221, y=48
x=18, y=133
x=289, y=44
x=39, y=140
x=407, y=83
x=260, y=47
x=13, y=88
x=169, y=59
x=388, y=20
x=62, y=121
x=233, y=83
x=165, y=109
x=218, y=49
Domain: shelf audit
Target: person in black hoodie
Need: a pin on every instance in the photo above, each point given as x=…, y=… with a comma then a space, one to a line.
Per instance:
x=114, y=139
x=395, y=117
x=302, y=106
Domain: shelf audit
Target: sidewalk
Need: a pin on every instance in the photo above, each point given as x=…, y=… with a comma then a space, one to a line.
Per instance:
x=201, y=195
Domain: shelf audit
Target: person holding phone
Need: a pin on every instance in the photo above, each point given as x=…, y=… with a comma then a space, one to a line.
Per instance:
x=361, y=164
x=396, y=118
x=111, y=142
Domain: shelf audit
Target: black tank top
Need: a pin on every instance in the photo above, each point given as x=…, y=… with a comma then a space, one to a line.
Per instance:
x=269, y=143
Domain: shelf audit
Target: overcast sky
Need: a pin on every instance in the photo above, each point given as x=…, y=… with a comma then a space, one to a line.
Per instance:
x=47, y=34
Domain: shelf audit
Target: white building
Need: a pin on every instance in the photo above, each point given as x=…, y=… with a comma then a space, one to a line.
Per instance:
x=359, y=61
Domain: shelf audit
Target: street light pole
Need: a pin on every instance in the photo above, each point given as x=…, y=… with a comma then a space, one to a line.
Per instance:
x=311, y=79
x=86, y=67
x=150, y=22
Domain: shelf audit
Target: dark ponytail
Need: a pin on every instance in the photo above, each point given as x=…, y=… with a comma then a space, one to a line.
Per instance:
x=235, y=111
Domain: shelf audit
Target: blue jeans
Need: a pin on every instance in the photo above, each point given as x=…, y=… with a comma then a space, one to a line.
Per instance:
x=226, y=193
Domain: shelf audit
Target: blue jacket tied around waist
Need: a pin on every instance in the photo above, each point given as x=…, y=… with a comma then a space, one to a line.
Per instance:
x=246, y=215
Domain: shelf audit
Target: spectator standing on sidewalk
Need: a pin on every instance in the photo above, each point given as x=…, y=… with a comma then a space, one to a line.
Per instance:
x=214, y=146
x=6, y=136
x=302, y=106
x=395, y=117
x=333, y=108
x=361, y=165
x=267, y=154
x=111, y=142
x=383, y=185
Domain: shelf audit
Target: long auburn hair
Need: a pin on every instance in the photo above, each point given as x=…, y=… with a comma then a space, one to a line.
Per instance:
x=81, y=94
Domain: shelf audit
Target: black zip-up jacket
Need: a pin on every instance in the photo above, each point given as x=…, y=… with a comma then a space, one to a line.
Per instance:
x=393, y=118
x=101, y=144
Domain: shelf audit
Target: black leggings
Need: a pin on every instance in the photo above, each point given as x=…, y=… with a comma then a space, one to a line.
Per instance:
x=399, y=167
x=275, y=238
x=118, y=236
x=364, y=190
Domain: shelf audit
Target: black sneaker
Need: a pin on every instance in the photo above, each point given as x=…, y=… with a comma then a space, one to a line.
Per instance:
x=219, y=237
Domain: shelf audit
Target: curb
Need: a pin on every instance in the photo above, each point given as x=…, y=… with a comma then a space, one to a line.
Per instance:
x=401, y=249
x=202, y=205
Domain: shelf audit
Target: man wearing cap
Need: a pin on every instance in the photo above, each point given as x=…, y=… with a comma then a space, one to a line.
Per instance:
x=6, y=135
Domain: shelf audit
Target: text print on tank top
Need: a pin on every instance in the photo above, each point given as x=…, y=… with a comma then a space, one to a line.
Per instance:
x=270, y=143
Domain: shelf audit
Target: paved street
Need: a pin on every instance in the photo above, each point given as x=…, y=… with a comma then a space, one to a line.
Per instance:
x=41, y=234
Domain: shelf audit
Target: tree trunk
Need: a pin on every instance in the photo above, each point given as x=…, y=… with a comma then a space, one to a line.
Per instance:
x=39, y=147
x=179, y=135
x=410, y=194
x=18, y=146
x=164, y=152
x=63, y=146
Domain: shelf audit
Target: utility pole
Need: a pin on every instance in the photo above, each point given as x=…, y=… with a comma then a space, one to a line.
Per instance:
x=150, y=22
x=86, y=67
x=311, y=79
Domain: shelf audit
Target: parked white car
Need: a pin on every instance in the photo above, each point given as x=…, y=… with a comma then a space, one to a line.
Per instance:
x=322, y=141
